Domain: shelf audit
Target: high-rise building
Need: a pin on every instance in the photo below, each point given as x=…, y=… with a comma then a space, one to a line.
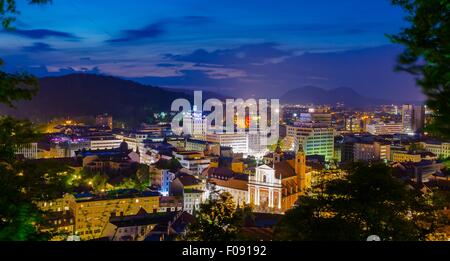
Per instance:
x=315, y=138
x=413, y=118
x=194, y=123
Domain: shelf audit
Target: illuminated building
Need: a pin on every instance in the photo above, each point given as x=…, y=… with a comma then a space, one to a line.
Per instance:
x=353, y=124
x=236, y=185
x=60, y=223
x=257, y=147
x=184, y=182
x=92, y=212
x=208, y=148
x=367, y=151
x=313, y=138
x=166, y=178
x=143, y=226
x=413, y=118
x=405, y=156
x=87, y=215
x=237, y=141
x=170, y=204
x=104, y=143
x=52, y=152
x=316, y=117
x=192, y=160
x=418, y=172
x=441, y=149
x=192, y=198
x=276, y=189
x=28, y=151
x=236, y=165
x=383, y=128
x=194, y=124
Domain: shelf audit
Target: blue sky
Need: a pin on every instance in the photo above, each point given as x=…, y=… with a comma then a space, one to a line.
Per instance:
x=246, y=46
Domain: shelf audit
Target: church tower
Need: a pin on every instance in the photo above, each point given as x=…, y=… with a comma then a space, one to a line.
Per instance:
x=277, y=154
x=300, y=168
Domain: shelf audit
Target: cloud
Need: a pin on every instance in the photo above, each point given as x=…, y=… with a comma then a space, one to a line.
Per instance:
x=38, y=47
x=70, y=70
x=157, y=29
x=168, y=65
x=42, y=34
x=149, y=31
x=265, y=69
x=243, y=55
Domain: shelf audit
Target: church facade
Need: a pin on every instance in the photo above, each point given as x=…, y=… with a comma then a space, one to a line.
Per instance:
x=276, y=188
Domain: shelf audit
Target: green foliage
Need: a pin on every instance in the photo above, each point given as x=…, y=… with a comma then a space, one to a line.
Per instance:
x=21, y=183
x=250, y=161
x=8, y=10
x=21, y=86
x=99, y=182
x=22, y=226
x=217, y=220
x=414, y=147
x=172, y=165
x=427, y=55
x=143, y=177
x=44, y=180
x=13, y=134
x=367, y=201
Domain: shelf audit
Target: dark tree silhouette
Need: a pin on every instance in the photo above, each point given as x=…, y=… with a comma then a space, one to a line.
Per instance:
x=367, y=201
x=427, y=55
x=21, y=183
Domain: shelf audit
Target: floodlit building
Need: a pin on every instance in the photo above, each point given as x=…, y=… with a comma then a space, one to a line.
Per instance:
x=313, y=138
x=367, y=151
x=28, y=151
x=92, y=212
x=104, y=143
x=276, y=188
x=192, y=160
x=440, y=148
x=382, y=128
x=413, y=118
x=405, y=156
x=237, y=141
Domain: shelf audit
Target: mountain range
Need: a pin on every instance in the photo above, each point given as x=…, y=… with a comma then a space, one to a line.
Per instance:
x=316, y=95
x=77, y=95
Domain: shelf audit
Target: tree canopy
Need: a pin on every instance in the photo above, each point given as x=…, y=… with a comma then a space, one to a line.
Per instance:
x=367, y=201
x=427, y=55
x=21, y=183
x=218, y=219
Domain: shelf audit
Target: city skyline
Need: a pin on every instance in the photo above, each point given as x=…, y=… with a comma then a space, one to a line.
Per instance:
x=212, y=121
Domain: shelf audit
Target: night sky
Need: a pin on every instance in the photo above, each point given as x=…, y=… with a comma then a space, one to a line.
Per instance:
x=251, y=47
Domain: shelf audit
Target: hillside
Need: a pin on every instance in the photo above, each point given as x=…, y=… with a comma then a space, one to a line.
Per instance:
x=89, y=95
